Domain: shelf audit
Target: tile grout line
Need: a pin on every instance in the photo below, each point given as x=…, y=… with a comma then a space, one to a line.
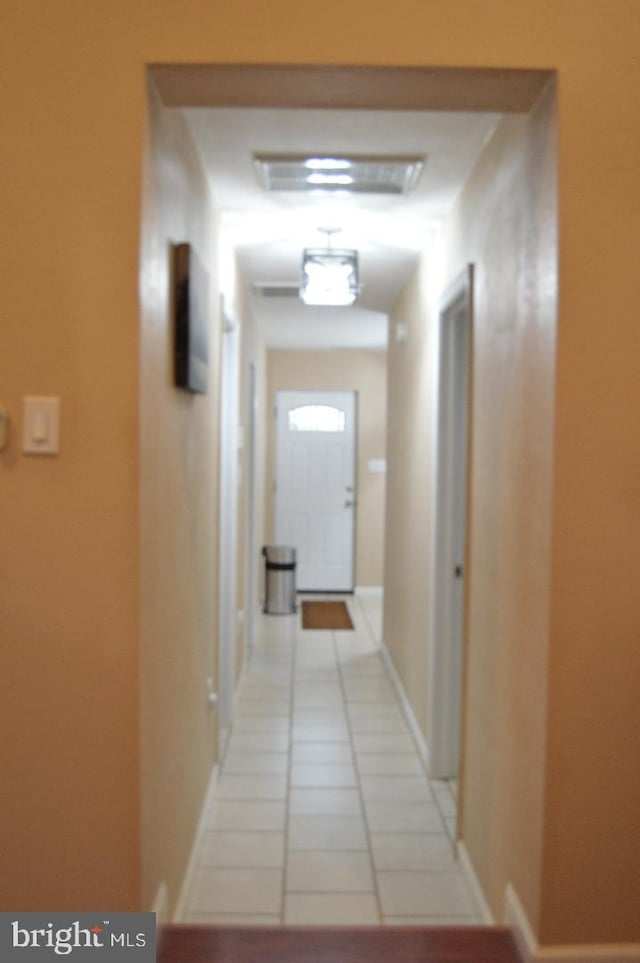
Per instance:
x=432, y=793
x=356, y=770
x=290, y=663
x=434, y=796
x=421, y=762
x=278, y=915
x=363, y=612
x=293, y=658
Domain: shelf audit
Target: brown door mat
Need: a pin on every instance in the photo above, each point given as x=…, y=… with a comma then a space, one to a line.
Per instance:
x=326, y=615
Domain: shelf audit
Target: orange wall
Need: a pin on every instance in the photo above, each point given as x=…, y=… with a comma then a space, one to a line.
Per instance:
x=73, y=103
x=70, y=190
x=178, y=517
x=594, y=710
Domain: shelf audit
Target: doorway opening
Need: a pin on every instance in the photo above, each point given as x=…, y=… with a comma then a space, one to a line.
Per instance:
x=450, y=529
x=321, y=89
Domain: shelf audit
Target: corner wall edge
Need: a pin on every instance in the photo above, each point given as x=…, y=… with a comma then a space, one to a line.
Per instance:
x=530, y=950
x=193, y=856
x=407, y=709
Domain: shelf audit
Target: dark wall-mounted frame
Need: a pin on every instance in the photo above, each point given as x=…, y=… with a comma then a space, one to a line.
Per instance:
x=190, y=316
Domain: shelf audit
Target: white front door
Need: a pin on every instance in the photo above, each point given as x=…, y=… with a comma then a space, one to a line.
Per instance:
x=315, y=485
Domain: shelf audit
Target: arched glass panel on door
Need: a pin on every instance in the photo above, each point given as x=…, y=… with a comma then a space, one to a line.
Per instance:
x=317, y=418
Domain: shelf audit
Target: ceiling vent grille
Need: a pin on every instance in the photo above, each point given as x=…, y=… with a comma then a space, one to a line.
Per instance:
x=267, y=290
x=331, y=173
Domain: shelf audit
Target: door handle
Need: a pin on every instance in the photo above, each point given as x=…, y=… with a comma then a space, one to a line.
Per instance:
x=349, y=504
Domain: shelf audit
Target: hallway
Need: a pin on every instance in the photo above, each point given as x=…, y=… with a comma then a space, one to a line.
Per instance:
x=322, y=814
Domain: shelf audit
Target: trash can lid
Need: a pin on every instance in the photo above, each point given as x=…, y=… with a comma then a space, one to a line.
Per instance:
x=279, y=553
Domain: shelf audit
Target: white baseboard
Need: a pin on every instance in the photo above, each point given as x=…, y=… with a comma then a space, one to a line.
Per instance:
x=375, y=590
x=191, y=865
x=480, y=903
x=161, y=906
x=531, y=952
x=412, y=722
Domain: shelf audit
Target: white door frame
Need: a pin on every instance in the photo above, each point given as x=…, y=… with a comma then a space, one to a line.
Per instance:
x=228, y=502
x=252, y=554
x=446, y=642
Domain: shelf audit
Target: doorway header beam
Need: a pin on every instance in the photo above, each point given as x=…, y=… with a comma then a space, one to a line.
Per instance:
x=349, y=88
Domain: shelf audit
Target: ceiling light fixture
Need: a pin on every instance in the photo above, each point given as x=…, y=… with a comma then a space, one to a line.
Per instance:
x=329, y=275
x=327, y=163
x=374, y=174
x=330, y=180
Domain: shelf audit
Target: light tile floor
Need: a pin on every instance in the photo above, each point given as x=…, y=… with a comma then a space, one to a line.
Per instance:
x=323, y=813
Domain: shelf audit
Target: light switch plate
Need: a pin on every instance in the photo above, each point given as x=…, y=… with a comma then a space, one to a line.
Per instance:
x=41, y=426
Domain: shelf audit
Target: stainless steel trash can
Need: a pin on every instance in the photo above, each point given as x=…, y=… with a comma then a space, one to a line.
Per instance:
x=280, y=579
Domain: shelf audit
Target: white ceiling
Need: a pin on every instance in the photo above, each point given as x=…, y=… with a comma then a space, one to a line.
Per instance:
x=270, y=230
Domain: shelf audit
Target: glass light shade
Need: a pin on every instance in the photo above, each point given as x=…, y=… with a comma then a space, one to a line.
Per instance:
x=329, y=277
x=330, y=180
x=327, y=163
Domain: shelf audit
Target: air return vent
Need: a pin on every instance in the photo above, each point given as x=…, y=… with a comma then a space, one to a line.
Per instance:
x=266, y=290
x=329, y=172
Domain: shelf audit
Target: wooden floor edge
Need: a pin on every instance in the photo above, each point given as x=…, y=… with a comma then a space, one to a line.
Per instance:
x=195, y=943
